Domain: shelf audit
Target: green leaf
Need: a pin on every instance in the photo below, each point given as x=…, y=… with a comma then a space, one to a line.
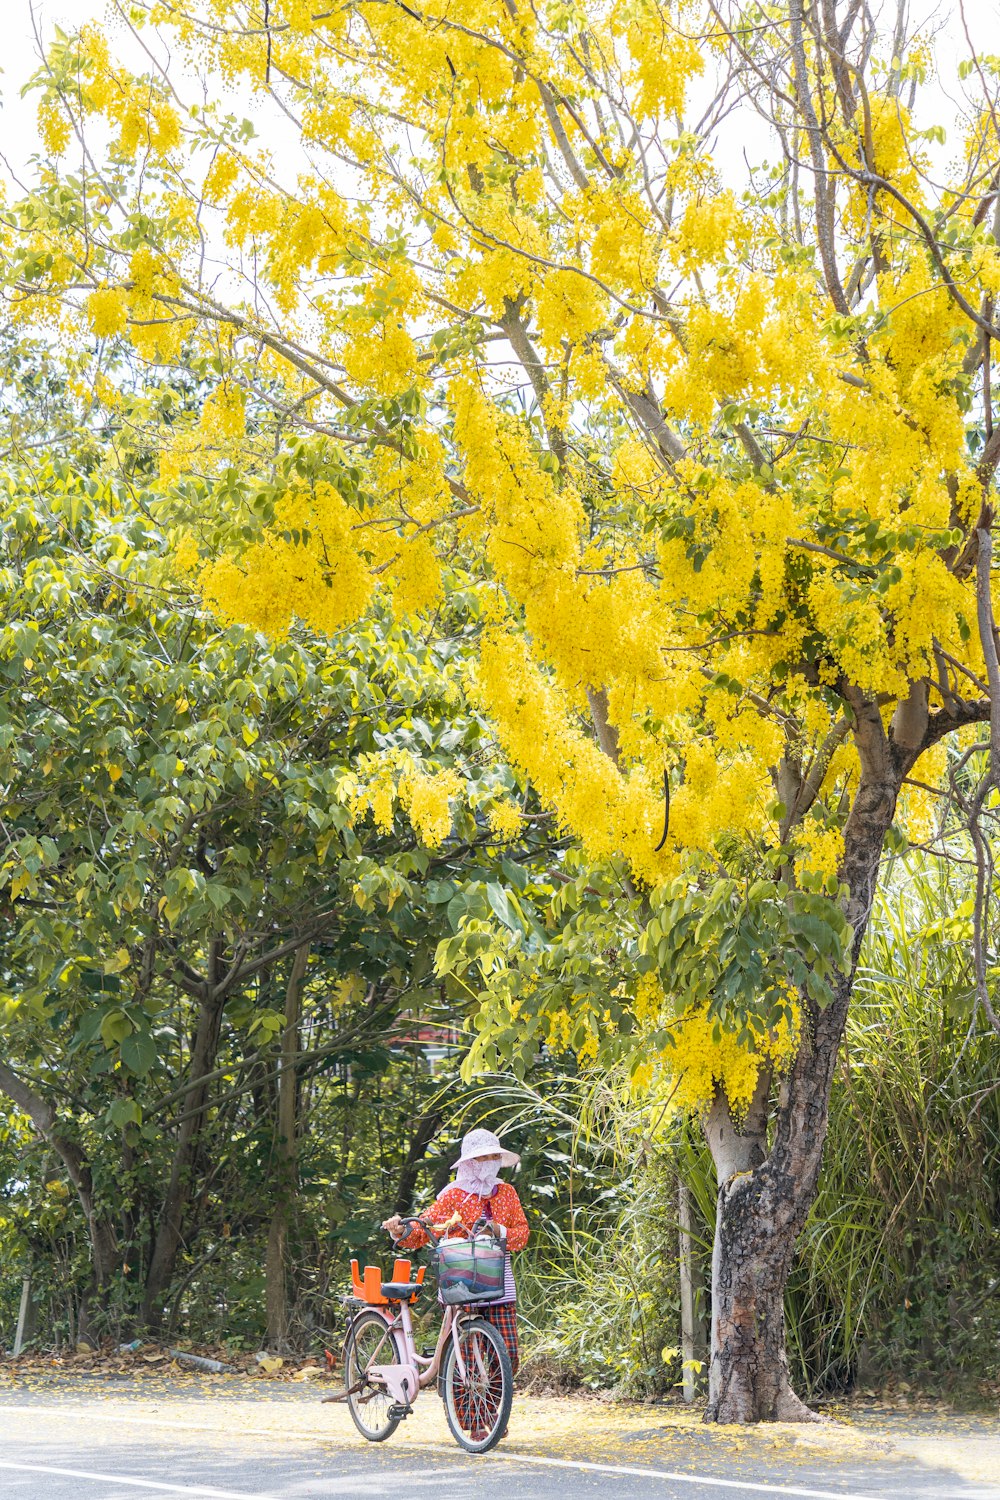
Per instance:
x=125, y=1112
x=139, y=1053
x=115, y=1027
x=499, y=905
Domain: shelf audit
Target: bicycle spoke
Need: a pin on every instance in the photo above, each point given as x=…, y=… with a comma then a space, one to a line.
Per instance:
x=371, y=1406
x=478, y=1403
x=483, y=1387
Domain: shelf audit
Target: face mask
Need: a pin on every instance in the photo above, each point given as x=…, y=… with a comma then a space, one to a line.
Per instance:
x=478, y=1177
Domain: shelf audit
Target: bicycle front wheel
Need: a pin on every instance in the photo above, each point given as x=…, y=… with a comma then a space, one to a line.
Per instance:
x=477, y=1403
x=370, y=1342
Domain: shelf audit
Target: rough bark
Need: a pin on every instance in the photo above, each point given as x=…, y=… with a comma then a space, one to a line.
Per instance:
x=426, y=1129
x=170, y=1230
x=100, y=1227
x=607, y=734
x=765, y=1193
x=286, y=1159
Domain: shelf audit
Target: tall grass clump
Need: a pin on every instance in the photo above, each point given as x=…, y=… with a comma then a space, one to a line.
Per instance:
x=899, y=1267
x=598, y=1286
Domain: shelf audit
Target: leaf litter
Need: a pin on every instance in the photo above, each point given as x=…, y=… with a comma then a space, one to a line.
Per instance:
x=269, y=1398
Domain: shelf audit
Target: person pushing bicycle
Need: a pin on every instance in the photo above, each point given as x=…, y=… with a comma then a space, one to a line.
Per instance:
x=477, y=1193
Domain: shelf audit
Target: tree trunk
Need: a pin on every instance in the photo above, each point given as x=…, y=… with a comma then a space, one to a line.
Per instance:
x=765, y=1193
x=692, y=1323
x=426, y=1129
x=170, y=1230
x=276, y=1265
x=100, y=1227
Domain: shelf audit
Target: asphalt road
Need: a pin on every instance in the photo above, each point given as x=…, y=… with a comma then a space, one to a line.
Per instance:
x=58, y=1449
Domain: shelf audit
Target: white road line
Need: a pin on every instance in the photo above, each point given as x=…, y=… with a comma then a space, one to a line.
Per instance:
x=353, y=1484
x=778, y=1491
x=727, y=1484
x=201, y=1490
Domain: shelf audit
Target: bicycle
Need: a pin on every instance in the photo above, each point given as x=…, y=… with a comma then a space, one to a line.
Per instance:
x=383, y=1372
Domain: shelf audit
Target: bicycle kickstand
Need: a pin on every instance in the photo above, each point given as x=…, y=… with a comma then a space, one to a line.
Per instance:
x=353, y=1391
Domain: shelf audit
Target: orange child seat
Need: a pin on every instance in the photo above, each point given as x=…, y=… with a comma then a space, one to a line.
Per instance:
x=371, y=1287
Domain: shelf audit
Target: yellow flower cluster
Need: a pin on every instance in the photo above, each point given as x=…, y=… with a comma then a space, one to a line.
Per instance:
x=594, y=617
x=393, y=777
x=623, y=250
x=221, y=176
x=306, y=568
x=155, y=331
x=224, y=414
x=53, y=125
x=185, y=555
x=106, y=311
x=428, y=800
x=142, y=110
x=920, y=809
x=890, y=150
x=665, y=59
x=505, y=820
x=384, y=359
x=709, y=230
x=884, y=639
x=587, y=1053
x=609, y=812
x=408, y=567
x=560, y=1030
x=375, y=787
x=649, y=999
x=698, y=1065
x=984, y=263
x=821, y=848
x=532, y=528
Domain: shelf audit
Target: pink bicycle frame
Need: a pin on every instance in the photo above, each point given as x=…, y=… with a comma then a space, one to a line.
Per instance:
x=416, y=1372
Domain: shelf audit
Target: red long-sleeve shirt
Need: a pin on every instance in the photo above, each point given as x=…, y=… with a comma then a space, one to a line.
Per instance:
x=504, y=1207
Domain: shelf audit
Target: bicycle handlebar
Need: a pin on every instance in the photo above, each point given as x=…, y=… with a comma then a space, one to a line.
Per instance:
x=407, y=1220
x=436, y=1231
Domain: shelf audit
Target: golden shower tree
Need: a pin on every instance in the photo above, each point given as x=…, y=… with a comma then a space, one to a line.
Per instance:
x=483, y=310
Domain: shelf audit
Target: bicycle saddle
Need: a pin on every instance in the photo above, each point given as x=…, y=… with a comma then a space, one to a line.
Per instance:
x=400, y=1291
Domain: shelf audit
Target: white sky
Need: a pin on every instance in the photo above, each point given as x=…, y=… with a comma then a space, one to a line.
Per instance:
x=19, y=60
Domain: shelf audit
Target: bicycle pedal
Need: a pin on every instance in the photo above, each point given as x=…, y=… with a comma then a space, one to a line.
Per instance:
x=397, y=1411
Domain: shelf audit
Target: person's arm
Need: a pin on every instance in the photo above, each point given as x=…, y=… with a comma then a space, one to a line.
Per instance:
x=440, y=1210
x=511, y=1215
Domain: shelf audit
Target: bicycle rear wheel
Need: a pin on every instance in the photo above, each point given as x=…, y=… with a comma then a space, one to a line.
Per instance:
x=477, y=1404
x=370, y=1342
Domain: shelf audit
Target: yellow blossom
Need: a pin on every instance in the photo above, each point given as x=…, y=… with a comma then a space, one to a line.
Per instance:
x=107, y=312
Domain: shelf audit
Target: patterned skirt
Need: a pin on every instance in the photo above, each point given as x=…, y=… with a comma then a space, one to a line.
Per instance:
x=504, y=1318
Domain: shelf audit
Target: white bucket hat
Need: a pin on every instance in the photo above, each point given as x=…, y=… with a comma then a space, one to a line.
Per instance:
x=485, y=1143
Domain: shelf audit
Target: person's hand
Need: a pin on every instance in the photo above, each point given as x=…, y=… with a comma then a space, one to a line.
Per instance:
x=394, y=1226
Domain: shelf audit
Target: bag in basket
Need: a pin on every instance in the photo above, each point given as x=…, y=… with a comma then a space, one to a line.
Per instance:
x=470, y=1270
